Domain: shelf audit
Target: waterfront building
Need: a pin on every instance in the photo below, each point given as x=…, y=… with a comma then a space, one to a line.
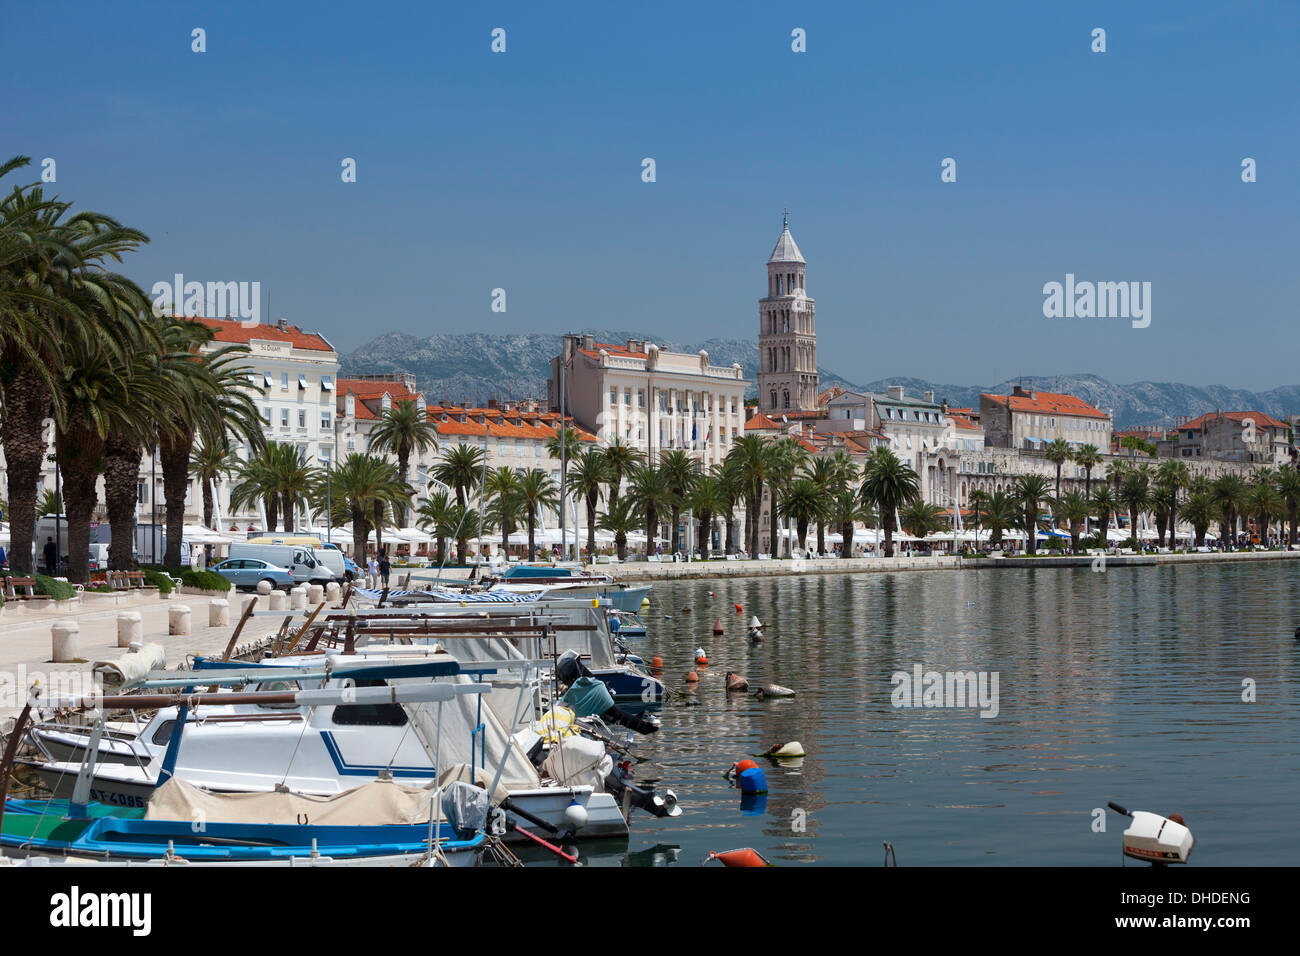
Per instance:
x=1030, y=419
x=651, y=399
x=1248, y=436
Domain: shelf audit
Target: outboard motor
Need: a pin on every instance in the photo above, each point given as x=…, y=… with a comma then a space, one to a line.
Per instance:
x=1157, y=840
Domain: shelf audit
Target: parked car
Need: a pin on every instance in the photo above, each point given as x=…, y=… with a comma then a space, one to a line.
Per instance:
x=301, y=560
x=350, y=569
x=248, y=572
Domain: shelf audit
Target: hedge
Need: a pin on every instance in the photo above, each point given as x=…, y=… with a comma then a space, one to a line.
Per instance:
x=58, y=590
x=204, y=580
x=156, y=577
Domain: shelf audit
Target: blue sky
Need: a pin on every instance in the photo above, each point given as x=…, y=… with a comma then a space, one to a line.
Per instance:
x=522, y=170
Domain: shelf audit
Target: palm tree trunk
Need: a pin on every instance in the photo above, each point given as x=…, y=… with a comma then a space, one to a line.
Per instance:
x=532, y=525
x=729, y=543
x=174, y=457
x=379, y=527
x=591, y=527
x=360, y=534
x=651, y=529
x=122, y=456
x=846, y=532
x=403, y=464
x=272, y=503
x=772, y=543
x=1087, y=482
x=620, y=545
x=821, y=537
x=79, y=451
x=207, y=501
x=26, y=406
x=801, y=526
x=286, y=505
x=887, y=524
x=675, y=536
x=706, y=520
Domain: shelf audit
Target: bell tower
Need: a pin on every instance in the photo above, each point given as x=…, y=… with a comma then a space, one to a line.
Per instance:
x=787, y=333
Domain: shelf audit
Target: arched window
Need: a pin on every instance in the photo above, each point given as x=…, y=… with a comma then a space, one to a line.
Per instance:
x=787, y=398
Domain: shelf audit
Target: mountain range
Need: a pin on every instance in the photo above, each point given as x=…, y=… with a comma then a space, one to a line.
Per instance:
x=477, y=366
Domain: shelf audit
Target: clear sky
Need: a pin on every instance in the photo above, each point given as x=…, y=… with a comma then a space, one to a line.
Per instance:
x=523, y=170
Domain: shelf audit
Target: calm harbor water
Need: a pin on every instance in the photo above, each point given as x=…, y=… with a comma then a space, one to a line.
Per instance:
x=1124, y=685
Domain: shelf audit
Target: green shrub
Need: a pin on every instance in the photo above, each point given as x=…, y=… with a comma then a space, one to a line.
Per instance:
x=156, y=577
x=58, y=590
x=205, y=580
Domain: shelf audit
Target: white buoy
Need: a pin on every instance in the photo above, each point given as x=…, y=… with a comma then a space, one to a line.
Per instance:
x=575, y=814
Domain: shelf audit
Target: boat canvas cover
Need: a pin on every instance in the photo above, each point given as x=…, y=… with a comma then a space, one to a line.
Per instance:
x=579, y=761
x=588, y=696
x=460, y=717
x=130, y=668
x=448, y=597
x=380, y=802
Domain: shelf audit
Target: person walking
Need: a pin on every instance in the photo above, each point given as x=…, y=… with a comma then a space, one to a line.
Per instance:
x=373, y=568
x=384, y=568
x=51, y=552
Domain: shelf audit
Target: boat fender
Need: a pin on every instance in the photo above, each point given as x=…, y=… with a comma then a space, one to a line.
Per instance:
x=752, y=780
x=773, y=690
x=791, y=749
x=743, y=857
x=736, y=682
x=717, y=626
x=692, y=677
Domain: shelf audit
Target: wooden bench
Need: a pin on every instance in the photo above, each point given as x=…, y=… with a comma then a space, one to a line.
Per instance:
x=14, y=587
x=134, y=579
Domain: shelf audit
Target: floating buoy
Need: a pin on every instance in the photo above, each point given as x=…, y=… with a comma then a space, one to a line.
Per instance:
x=686, y=610
x=791, y=749
x=742, y=857
x=645, y=602
x=701, y=658
x=773, y=690
x=736, y=682
x=751, y=779
x=657, y=663
x=755, y=624
x=739, y=609
x=692, y=677
x=717, y=626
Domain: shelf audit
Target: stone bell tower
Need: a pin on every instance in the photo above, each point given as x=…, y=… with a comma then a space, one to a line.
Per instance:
x=787, y=333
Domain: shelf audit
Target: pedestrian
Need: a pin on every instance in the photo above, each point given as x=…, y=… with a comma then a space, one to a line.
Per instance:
x=373, y=568
x=384, y=567
x=3, y=557
x=51, y=552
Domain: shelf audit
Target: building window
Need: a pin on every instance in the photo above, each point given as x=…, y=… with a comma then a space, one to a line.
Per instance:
x=284, y=381
x=613, y=397
x=302, y=418
x=774, y=398
x=627, y=397
x=327, y=383
x=266, y=413
x=284, y=418
x=786, y=399
x=142, y=492
x=324, y=419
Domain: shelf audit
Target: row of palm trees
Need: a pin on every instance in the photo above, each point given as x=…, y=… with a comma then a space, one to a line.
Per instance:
x=80, y=347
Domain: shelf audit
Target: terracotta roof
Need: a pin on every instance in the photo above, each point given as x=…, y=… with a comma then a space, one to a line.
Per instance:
x=612, y=349
x=1048, y=403
x=503, y=429
x=761, y=421
x=232, y=330
x=961, y=421
x=365, y=389
x=1261, y=420
x=831, y=394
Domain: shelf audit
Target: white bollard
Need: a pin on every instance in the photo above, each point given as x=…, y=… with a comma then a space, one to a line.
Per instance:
x=279, y=601
x=298, y=598
x=218, y=612
x=178, y=620
x=66, y=640
x=333, y=594
x=315, y=594
x=263, y=587
x=130, y=628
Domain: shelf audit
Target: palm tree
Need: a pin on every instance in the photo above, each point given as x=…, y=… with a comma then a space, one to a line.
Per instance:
x=1288, y=486
x=1264, y=503
x=257, y=483
x=1029, y=494
x=56, y=299
x=920, y=518
x=1104, y=504
x=843, y=510
x=1087, y=457
x=1135, y=495
x=1058, y=453
x=995, y=511
x=503, y=502
x=210, y=462
x=1201, y=509
x=805, y=503
x=731, y=476
x=536, y=491
x=621, y=458
x=680, y=471
x=404, y=429
x=829, y=473
x=1171, y=478
x=707, y=499
x=292, y=477
x=433, y=516
x=565, y=440
x=621, y=518
x=361, y=486
x=461, y=468
x=787, y=457
x=1074, y=509
x=888, y=485
x=49, y=503
x=648, y=487
x=1230, y=494
x=750, y=461
x=587, y=477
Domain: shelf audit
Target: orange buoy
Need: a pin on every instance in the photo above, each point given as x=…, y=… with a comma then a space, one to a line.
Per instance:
x=742, y=857
x=692, y=677
x=739, y=609
x=657, y=663
x=717, y=626
x=701, y=661
x=736, y=682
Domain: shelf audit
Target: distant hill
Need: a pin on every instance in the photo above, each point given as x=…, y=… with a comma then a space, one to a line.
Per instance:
x=477, y=366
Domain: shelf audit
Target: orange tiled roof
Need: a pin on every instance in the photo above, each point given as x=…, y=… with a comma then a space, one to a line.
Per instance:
x=1261, y=420
x=961, y=421
x=761, y=421
x=233, y=331
x=365, y=389
x=1049, y=403
x=621, y=350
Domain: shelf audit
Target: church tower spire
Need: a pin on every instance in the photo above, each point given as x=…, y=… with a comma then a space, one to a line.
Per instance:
x=787, y=333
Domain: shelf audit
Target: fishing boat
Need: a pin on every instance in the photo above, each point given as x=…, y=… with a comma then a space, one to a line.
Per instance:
x=565, y=581
x=378, y=823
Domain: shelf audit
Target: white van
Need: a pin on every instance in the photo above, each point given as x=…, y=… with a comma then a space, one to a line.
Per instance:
x=301, y=560
x=333, y=560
